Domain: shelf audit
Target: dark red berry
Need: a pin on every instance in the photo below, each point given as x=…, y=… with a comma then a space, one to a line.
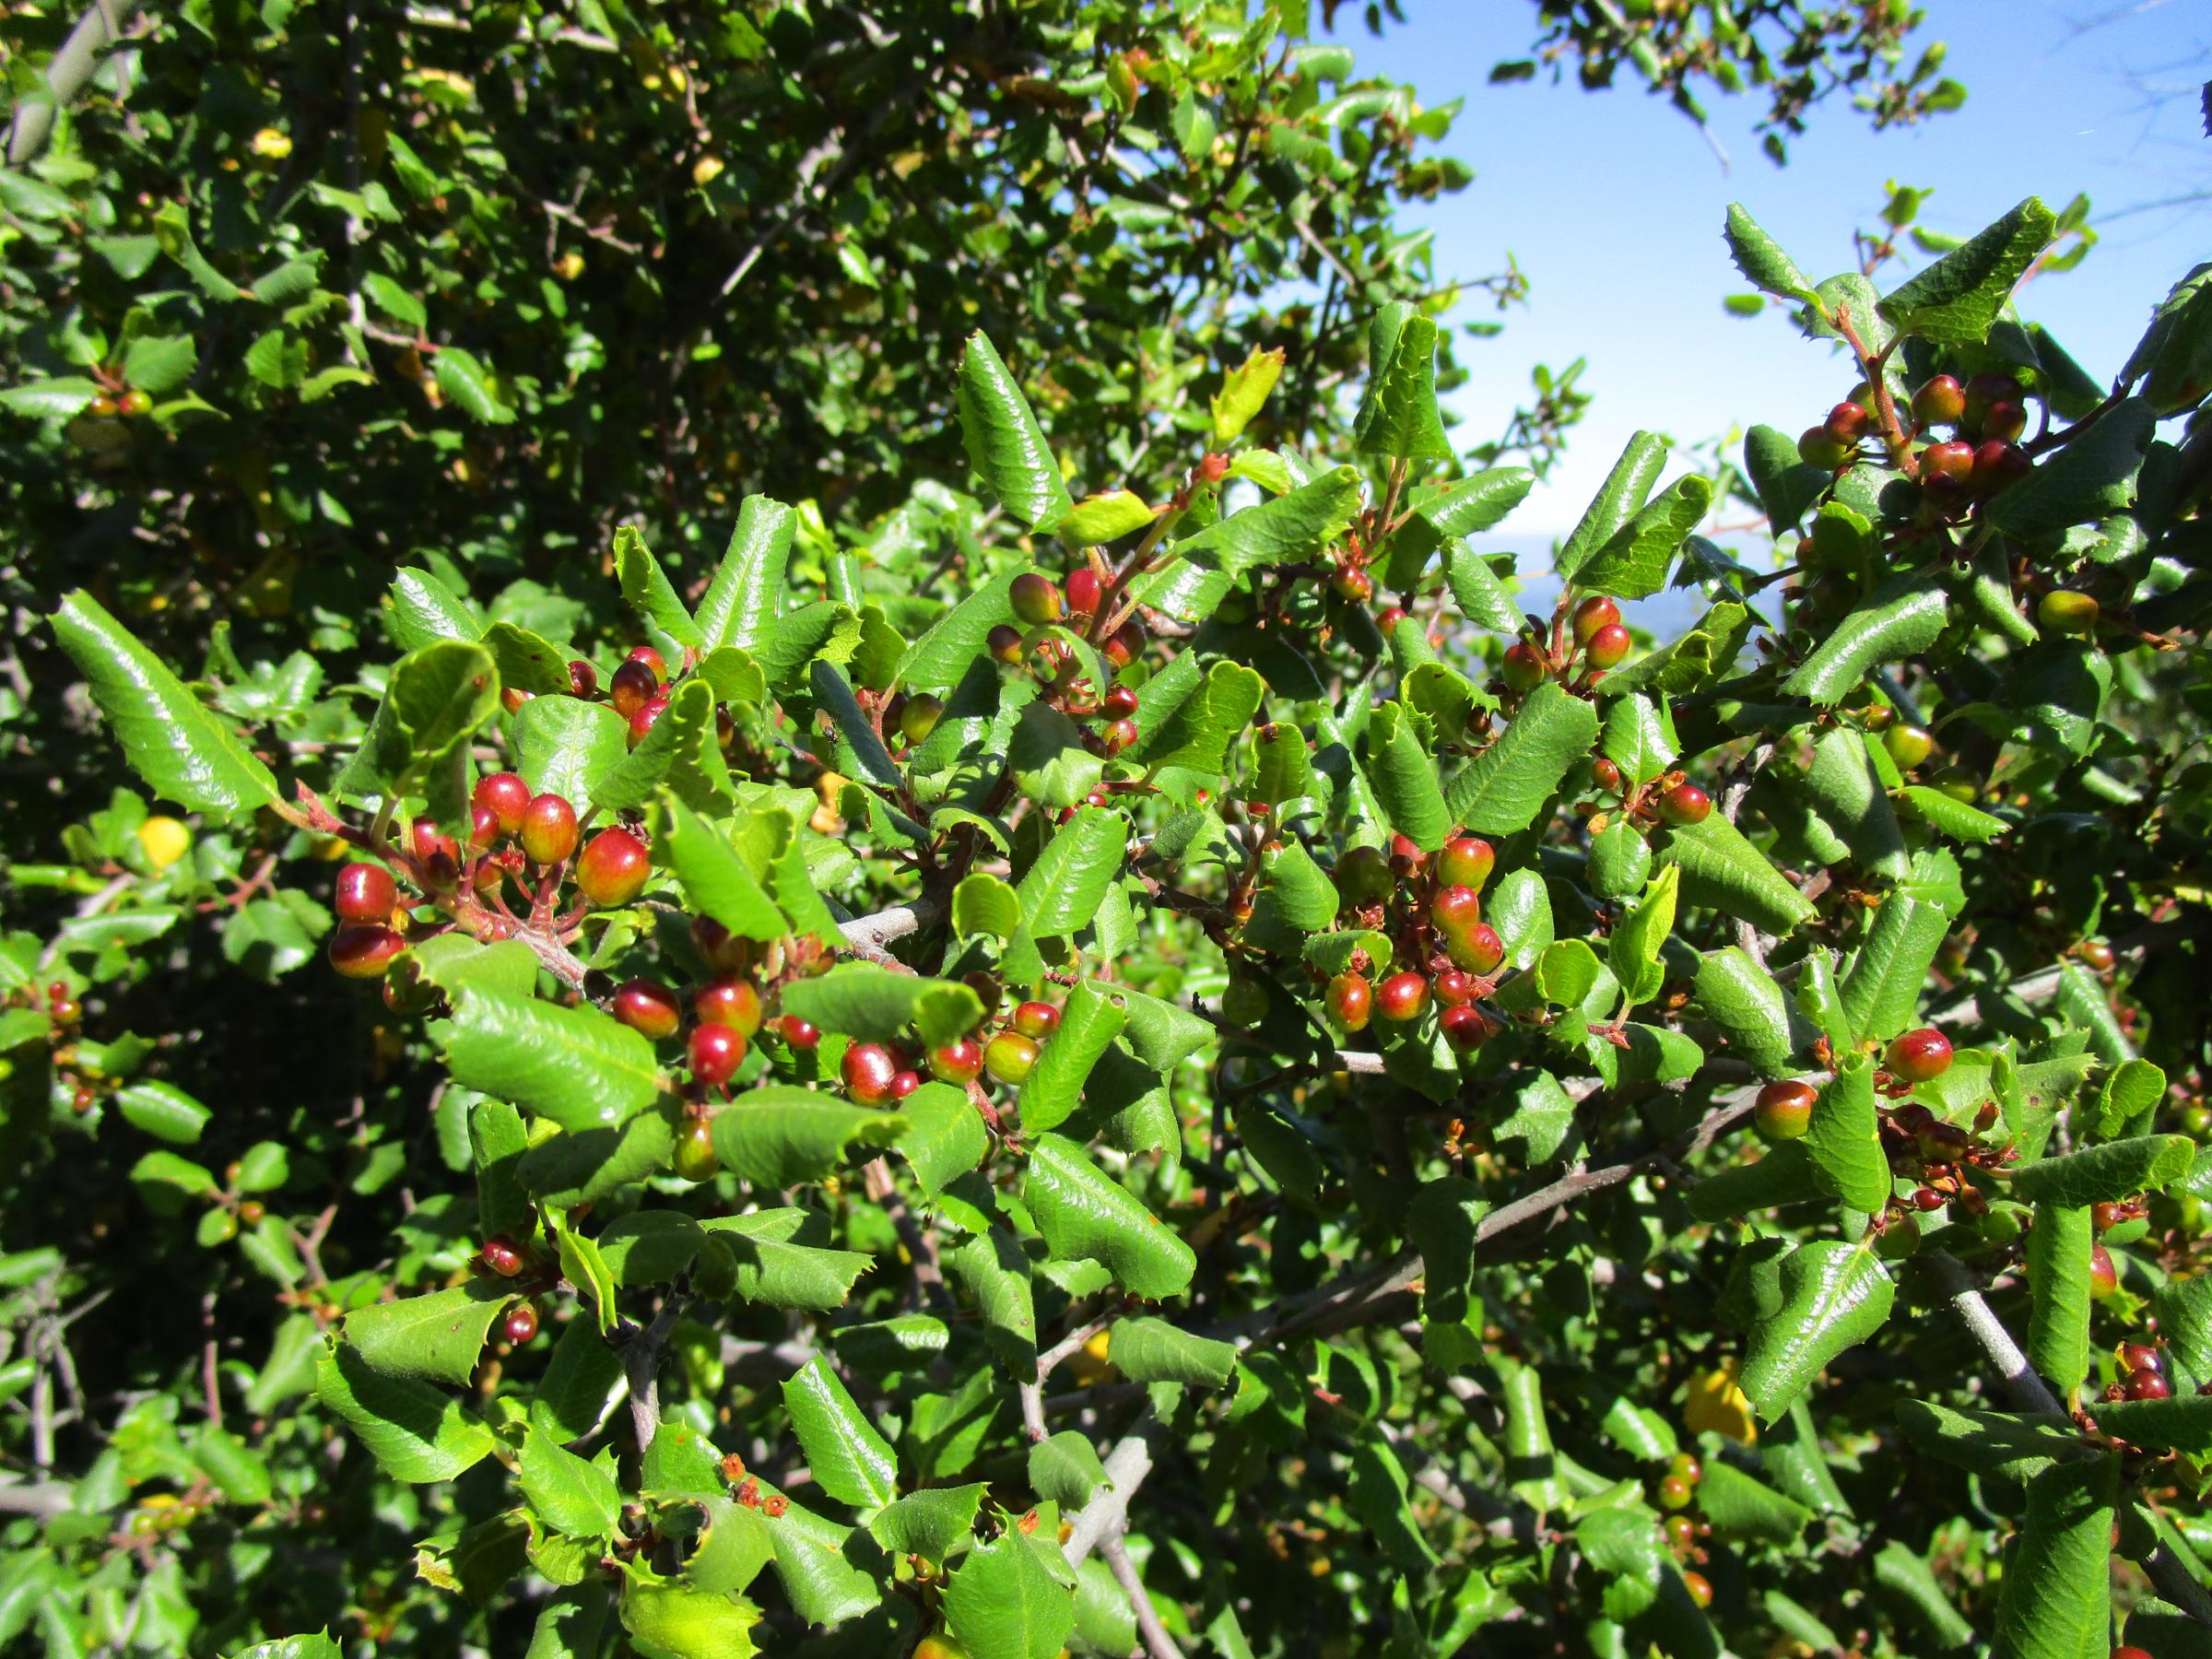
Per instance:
x=1924, y=1199
x=1998, y=463
x=1120, y=736
x=507, y=796
x=632, y=688
x=868, y=1069
x=1684, y=805
x=501, y=1255
x=366, y=893
x=549, y=828
x=483, y=829
x=1403, y=997
x=1120, y=703
x=647, y=1008
x=653, y=660
x=1463, y=1027
x=1083, y=591
x=1848, y=422
x=1005, y=644
x=904, y=1083
x=716, y=1051
x=648, y=714
x=584, y=680
x=2147, y=1386
x=1453, y=987
x=1125, y=645
x=2004, y=421
x=612, y=868
x=1604, y=773
x=1939, y=402
x=2141, y=1356
x=1918, y=1056
x=799, y=1033
x=521, y=1325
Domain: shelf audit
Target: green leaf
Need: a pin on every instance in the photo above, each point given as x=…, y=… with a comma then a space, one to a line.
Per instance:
x=782, y=1262
x=1955, y=819
x=578, y=1067
x=991, y=1268
x=984, y=904
x=579, y=1385
x=1881, y=987
x=1894, y=622
x=1002, y=1603
x=1481, y=598
x=2089, y=479
x=1404, y=778
x=1633, y=562
x=1397, y=417
x=1196, y=734
x=1621, y=497
x=779, y=1136
x=1740, y=1506
x=185, y=750
x=717, y=880
x=679, y=752
x=687, y=1624
x=1503, y=789
x=1050, y=763
x=1062, y=890
x=1898, y=1568
x=1761, y=260
x=2183, y=1424
x=1832, y=1295
x=437, y=1337
x=2130, y=1089
x=1290, y=529
x=159, y=364
x=741, y=602
x=1722, y=871
x=527, y=661
x=1064, y=1469
x=1955, y=300
x=945, y=1137
x=437, y=698
x=574, y=1495
x=162, y=1111
x=1006, y=445
x=1707, y=653
x=935, y=1523
x=1379, y=1498
x=175, y=232
x=2055, y=1602
x=849, y=1459
x=1244, y=393
x=1785, y=485
x=1844, y=1139
x=51, y=399
x=1153, y=1350
x=878, y=1004
x=1634, y=950
x=647, y=590
x=2059, y=1251
x=416, y=1432
x=833, y=695
x=1737, y=994
x=1846, y=790
x=1107, y=516
x=822, y=1585
x=421, y=609
x=1090, y=1021
x=2106, y=1171
x=469, y=384
x=943, y=655
x=1784, y=1175
x=1082, y=1211
x=567, y=745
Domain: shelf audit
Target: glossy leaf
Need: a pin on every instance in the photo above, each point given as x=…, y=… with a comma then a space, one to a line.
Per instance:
x=1833, y=1295
x=1006, y=445
x=1082, y=1211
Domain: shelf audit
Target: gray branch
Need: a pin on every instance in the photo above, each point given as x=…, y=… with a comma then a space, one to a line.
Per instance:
x=1158, y=1644
x=72, y=68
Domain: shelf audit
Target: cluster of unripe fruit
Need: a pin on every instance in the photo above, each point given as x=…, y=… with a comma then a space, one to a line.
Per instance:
x=1987, y=416
x=1444, y=951
x=1675, y=1490
x=1595, y=638
x=1040, y=602
x=876, y=1074
x=511, y=832
x=502, y=1257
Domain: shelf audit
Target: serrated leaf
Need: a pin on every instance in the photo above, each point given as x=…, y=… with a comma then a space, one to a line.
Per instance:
x=741, y=602
x=716, y=878
x=1955, y=300
x=779, y=1135
x=1844, y=788
x=1844, y=1139
x=2089, y=479
x=935, y=1523
x=185, y=750
x=1154, y=1350
x=574, y=1495
x=1082, y=1211
x=782, y=1262
x=438, y=1336
x=1761, y=260
x=1397, y=415
x=984, y=904
x=416, y=1432
x=1064, y=1469
x=1832, y=1295
x=568, y=745
x=1002, y=1603
x=850, y=1461
x=1739, y=994
x=1090, y=1021
x=1633, y=562
x=2055, y=1602
x=2106, y=1171
x=1404, y=778
x=1198, y=730
x=1503, y=789
x=1881, y=987
x=1006, y=445
x=1955, y=819
x=1722, y=871
x=1618, y=501
x=1244, y=393
x=1290, y=529
x=1741, y=1506
x=878, y=1004
x=577, y=1067
x=1893, y=623
x=945, y=1137
x=419, y=608
x=1062, y=890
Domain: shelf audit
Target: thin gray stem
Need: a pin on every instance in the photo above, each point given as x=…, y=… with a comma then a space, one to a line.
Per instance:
x=641, y=1365
x=1158, y=1644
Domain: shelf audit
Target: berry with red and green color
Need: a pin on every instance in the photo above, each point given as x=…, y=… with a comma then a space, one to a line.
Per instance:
x=1684, y=806
x=584, y=680
x=1083, y=591
x=653, y=660
x=1120, y=736
x=1037, y=1020
x=1363, y=877
x=1011, y=1057
x=696, y=1158
x=632, y=688
x=1783, y=1111
x=798, y=1033
x=1119, y=703
x=501, y=1255
x=920, y=716
x=868, y=1070
x=647, y=1008
x=1609, y=647
x=521, y=1324
x=1353, y=583
x=612, y=868
x=1940, y=401
x=647, y=716
x=1003, y=643
x=729, y=1000
x=1919, y=1057
x=1466, y=861
x=364, y=951
x=721, y=950
x=1035, y=598
x=1403, y=997
x=549, y=833
x=1350, y=1002
x=1524, y=668
x=366, y=893
x=1463, y=1027
x=1848, y=422
x=2104, y=1277
x=508, y=797
x=1591, y=615
x=1816, y=446
x=961, y=1061
x=715, y=1053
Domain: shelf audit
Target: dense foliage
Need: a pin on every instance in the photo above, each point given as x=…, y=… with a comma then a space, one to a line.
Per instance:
x=1085, y=1038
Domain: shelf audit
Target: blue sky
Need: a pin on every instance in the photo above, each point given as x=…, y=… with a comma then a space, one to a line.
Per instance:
x=1613, y=205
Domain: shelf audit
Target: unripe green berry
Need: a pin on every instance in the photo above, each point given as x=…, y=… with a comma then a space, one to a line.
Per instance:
x=2064, y=611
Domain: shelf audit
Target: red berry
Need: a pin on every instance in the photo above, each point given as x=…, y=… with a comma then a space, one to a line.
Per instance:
x=1453, y=910
x=1454, y=987
x=1350, y=1002
x=483, y=829
x=1083, y=591
x=612, y=868
x=1035, y=600
x=1125, y=645
x=1982, y=391
x=2141, y=1356
x=1924, y=1199
x=1701, y=1590
x=1998, y=463
x=716, y=1051
x=799, y=1033
x=1037, y=1020
x=1005, y=644
x=1524, y=669
x=1120, y=735
x=721, y=950
x=868, y=1069
x=647, y=1008
x=366, y=893
x=1685, y=803
x=1464, y=1028
x=1009, y=1056
x=1119, y=703
x=501, y=1255
x=1918, y=1056
x=1355, y=584
x=730, y=1001
x=1405, y=855
x=584, y=680
x=1847, y=423
x=904, y=1083
x=507, y=796
x=1466, y=861
x=632, y=688
x=653, y=660
x=648, y=712
x=2104, y=1278
x=1939, y=402
x=364, y=949
x=1609, y=647
x=1592, y=614
x=1784, y=1110
x=521, y=1325
x=2129, y=1653
x=2147, y=1386
x=1953, y=462
x=2004, y=420
x=1403, y=997
x=1604, y=773
x=549, y=828
x=957, y=1062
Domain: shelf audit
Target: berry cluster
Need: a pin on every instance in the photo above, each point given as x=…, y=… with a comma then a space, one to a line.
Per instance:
x=1443, y=949
x=1987, y=417
x=876, y=1074
x=1590, y=638
x=1077, y=603
x=502, y=1257
x=2142, y=1373
x=1673, y=1493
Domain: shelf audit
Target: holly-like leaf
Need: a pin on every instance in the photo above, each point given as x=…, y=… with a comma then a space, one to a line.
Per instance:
x=1843, y=1141
x=1955, y=300
x=1832, y=1295
x=1633, y=561
x=2056, y=1598
x=778, y=1135
x=1064, y=887
x=438, y=1336
x=742, y=600
x=575, y=1067
x=1723, y=871
x=1887, y=626
x=1082, y=1211
x=2106, y=1171
x=718, y=880
x=414, y=1431
x=850, y=1461
x=1002, y=1603
x=1503, y=789
x=1618, y=501
x=1090, y=1021
x=1761, y=260
x=1397, y=415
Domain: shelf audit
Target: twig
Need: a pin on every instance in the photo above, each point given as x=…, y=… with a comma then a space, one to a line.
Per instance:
x=641, y=1365
x=1032, y=1410
x=867, y=936
x=1107, y=1514
x=929, y=1273
x=72, y=68
x=1158, y=1644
